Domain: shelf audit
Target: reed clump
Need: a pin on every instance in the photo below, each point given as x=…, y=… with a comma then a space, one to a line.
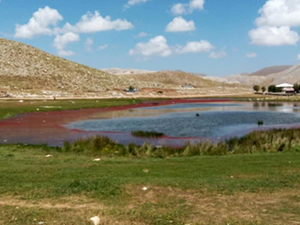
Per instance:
x=275, y=140
x=145, y=134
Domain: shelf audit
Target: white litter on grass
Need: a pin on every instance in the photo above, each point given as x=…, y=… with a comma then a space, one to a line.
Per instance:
x=49, y=156
x=144, y=188
x=37, y=109
x=21, y=101
x=96, y=220
x=40, y=223
x=50, y=107
x=145, y=170
x=97, y=160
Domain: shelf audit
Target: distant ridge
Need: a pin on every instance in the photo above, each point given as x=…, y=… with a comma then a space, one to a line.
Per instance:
x=270, y=70
x=290, y=75
x=174, y=78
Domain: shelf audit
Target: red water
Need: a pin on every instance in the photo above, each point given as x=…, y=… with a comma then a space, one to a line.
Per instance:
x=47, y=127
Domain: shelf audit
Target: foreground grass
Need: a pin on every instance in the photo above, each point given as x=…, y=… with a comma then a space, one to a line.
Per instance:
x=9, y=108
x=69, y=188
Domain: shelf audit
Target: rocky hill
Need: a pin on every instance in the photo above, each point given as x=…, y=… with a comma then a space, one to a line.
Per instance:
x=263, y=77
x=25, y=68
x=172, y=78
x=290, y=75
x=29, y=72
x=270, y=70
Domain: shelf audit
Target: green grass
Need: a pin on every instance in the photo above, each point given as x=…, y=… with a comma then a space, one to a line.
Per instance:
x=177, y=187
x=9, y=108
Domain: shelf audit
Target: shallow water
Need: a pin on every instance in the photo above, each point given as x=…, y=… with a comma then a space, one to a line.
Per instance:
x=215, y=121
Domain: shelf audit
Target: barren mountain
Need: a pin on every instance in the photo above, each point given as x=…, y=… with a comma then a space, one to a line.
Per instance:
x=179, y=78
x=270, y=70
x=118, y=71
x=239, y=79
x=25, y=68
x=290, y=75
x=29, y=72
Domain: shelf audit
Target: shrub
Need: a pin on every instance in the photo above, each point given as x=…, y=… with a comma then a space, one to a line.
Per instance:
x=95, y=145
x=260, y=122
x=151, y=134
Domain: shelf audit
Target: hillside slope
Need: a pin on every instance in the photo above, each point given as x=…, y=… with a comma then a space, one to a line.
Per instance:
x=270, y=70
x=290, y=75
x=30, y=72
x=28, y=68
x=178, y=78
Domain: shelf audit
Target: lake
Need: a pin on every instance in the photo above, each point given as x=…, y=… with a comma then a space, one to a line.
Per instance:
x=177, y=119
x=195, y=121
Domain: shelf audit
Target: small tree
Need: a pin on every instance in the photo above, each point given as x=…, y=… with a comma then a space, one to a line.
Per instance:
x=263, y=89
x=256, y=88
x=131, y=89
x=272, y=88
x=297, y=87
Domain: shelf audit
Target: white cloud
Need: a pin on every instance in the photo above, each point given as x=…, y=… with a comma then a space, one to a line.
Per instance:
x=158, y=46
x=134, y=2
x=180, y=8
x=88, y=44
x=218, y=55
x=251, y=55
x=298, y=56
x=273, y=36
x=196, y=5
x=45, y=20
x=39, y=23
x=194, y=47
x=280, y=13
x=155, y=46
x=61, y=41
x=95, y=23
x=142, y=34
x=274, y=24
x=178, y=24
x=102, y=47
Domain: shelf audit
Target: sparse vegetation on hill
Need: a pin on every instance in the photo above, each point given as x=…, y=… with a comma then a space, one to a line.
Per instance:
x=25, y=68
x=174, y=78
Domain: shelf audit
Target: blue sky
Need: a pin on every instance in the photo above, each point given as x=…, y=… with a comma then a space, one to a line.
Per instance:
x=215, y=37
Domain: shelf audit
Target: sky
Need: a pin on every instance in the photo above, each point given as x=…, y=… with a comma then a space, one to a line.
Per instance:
x=215, y=37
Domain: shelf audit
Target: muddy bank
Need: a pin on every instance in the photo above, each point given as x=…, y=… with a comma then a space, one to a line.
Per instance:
x=48, y=127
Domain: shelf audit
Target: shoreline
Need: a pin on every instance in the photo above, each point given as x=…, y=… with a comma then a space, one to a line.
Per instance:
x=48, y=127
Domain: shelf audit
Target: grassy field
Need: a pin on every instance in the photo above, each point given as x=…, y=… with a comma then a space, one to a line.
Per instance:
x=68, y=188
x=9, y=108
x=42, y=185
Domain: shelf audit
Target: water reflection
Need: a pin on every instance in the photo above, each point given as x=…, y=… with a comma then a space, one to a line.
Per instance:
x=180, y=120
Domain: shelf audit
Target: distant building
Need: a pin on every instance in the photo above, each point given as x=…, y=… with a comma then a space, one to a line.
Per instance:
x=286, y=88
